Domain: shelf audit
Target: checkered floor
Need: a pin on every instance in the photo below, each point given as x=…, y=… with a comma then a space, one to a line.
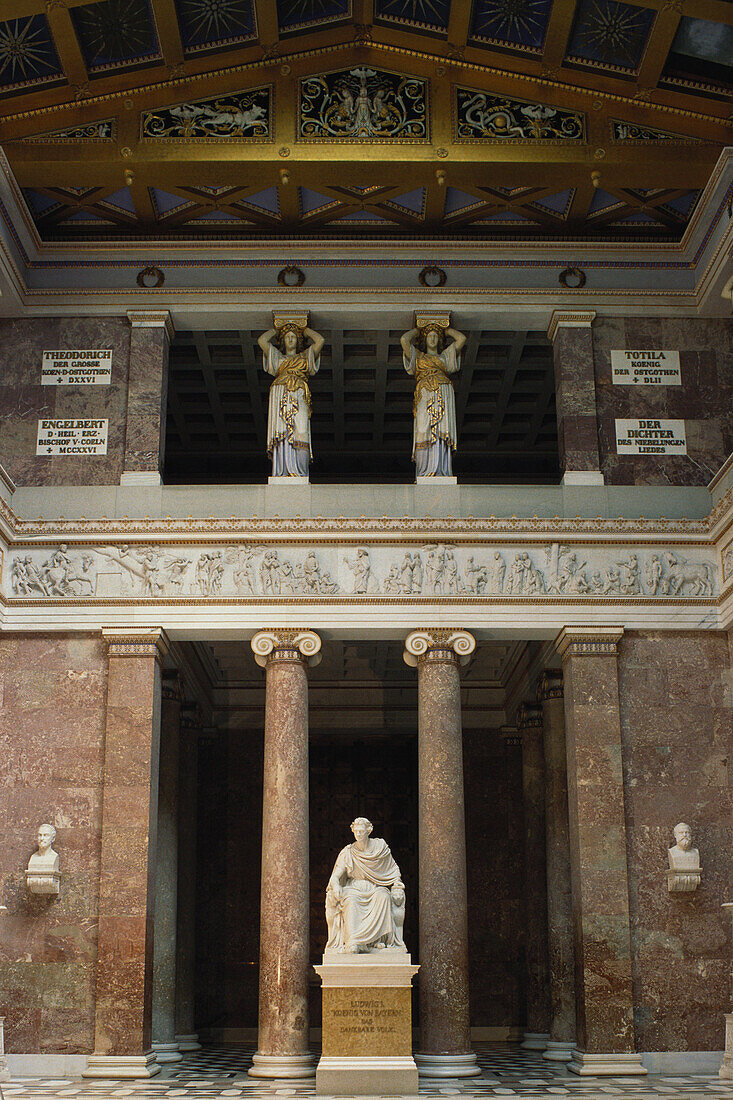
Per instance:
x=221, y=1071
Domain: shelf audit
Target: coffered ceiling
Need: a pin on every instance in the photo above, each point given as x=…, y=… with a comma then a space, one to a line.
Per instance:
x=246, y=120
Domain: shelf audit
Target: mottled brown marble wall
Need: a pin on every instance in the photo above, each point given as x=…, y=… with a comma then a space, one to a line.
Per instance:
x=677, y=730
x=52, y=716
x=24, y=401
x=704, y=400
x=575, y=398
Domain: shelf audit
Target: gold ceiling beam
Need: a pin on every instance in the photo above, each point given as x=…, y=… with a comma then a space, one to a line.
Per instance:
x=557, y=33
x=67, y=46
x=169, y=34
x=459, y=23
x=657, y=51
x=268, y=28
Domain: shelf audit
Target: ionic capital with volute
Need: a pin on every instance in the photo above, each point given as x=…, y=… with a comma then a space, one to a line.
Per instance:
x=286, y=645
x=550, y=685
x=438, y=644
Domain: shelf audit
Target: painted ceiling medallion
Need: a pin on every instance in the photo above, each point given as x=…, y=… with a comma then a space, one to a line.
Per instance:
x=610, y=34
x=27, y=53
x=241, y=116
x=363, y=104
x=518, y=23
x=115, y=34
x=481, y=116
x=295, y=15
x=213, y=24
x=416, y=14
x=632, y=132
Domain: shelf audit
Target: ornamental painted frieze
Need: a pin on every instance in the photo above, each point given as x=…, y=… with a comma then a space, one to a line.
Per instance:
x=103, y=130
x=363, y=104
x=238, y=116
x=631, y=132
x=429, y=570
x=480, y=116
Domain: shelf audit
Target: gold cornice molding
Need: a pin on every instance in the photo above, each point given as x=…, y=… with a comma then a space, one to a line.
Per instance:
x=569, y=318
x=136, y=642
x=588, y=641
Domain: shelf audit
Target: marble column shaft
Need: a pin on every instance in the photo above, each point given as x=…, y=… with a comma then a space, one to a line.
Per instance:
x=597, y=830
x=186, y=931
x=561, y=953
x=529, y=728
x=282, y=1046
x=443, y=978
x=129, y=841
x=147, y=392
x=575, y=390
x=166, y=879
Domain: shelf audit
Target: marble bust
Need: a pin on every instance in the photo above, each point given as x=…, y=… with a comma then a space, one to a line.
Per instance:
x=365, y=897
x=42, y=874
x=684, y=862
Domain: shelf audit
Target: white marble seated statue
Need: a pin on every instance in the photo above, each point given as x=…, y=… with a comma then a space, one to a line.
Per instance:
x=684, y=861
x=430, y=362
x=292, y=360
x=42, y=874
x=365, y=897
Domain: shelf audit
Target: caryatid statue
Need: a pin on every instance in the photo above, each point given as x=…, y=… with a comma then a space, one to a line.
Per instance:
x=291, y=353
x=430, y=361
x=365, y=897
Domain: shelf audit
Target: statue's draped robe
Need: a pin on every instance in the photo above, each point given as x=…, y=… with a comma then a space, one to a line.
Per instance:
x=435, y=433
x=289, y=410
x=364, y=917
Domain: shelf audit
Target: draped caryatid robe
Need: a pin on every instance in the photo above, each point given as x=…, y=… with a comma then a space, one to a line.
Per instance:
x=289, y=410
x=435, y=433
x=364, y=917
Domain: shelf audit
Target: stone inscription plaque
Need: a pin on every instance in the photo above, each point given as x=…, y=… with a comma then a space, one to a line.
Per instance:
x=367, y=1021
x=76, y=368
x=645, y=368
x=651, y=437
x=72, y=437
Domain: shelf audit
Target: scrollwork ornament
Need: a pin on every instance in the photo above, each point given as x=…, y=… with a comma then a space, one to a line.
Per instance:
x=420, y=643
x=267, y=643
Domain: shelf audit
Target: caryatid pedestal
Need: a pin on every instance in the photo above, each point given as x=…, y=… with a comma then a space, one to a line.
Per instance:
x=282, y=1046
x=445, y=1035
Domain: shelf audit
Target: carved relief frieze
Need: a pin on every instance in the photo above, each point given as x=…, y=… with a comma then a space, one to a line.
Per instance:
x=480, y=116
x=425, y=570
x=237, y=116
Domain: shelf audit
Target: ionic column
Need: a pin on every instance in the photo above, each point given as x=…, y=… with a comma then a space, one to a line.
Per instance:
x=164, y=1044
x=186, y=1036
x=575, y=396
x=122, y=1025
x=603, y=985
x=282, y=1045
x=445, y=1035
x=529, y=729
x=561, y=952
x=147, y=393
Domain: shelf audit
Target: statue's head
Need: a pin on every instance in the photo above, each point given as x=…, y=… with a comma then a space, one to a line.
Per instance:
x=431, y=338
x=46, y=836
x=290, y=338
x=683, y=836
x=361, y=826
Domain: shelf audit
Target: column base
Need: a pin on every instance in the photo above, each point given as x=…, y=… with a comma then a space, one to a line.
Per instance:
x=188, y=1042
x=582, y=477
x=288, y=479
x=447, y=1065
x=5, y=1072
x=166, y=1052
x=726, y=1070
x=558, y=1052
x=140, y=477
x=377, y=1076
x=437, y=479
x=283, y=1065
x=606, y=1065
x=122, y=1066
x=535, y=1040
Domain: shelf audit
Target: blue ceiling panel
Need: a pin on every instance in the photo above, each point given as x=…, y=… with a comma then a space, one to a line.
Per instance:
x=294, y=15
x=27, y=54
x=115, y=34
x=610, y=35
x=417, y=15
x=215, y=24
x=520, y=24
